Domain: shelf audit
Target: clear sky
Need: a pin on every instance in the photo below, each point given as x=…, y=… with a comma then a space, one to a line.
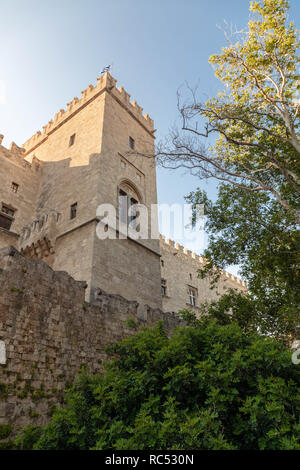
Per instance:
x=50, y=50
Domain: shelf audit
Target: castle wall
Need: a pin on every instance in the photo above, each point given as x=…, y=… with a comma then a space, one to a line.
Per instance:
x=72, y=173
x=127, y=267
x=90, y=173
x=179, y=269
x=119, y=124
x=135, y=276
x=14, y=169
x=47, y=332
x=8, y=238
x=74, y=254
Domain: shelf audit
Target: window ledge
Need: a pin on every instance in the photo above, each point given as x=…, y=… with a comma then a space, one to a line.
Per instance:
x=14, y=234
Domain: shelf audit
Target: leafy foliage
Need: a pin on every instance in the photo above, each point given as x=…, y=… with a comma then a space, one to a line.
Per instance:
x=206, y=387
x=256, y=157
x=254, y=119
x=254, y=232
x=218, y=384
x=28, y=438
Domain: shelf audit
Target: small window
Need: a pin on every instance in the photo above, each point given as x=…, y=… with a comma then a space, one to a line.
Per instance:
x=162, y=263
x=131, y=143
x=191, y=277
x=7, y=210
x=163, y=287
x=128, y=208
x=73, y=210
x=6, y=217
x=192, y=297
x=123, y=206
x=72, y=140
x=5, y=222
x=14, y=187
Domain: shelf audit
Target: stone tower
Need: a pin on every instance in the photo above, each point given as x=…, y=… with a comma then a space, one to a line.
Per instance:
x=86, y=156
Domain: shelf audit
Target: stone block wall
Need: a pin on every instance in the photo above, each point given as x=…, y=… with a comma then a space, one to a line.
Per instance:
x=86, y=156
x=14, y=169
x=179, y=271
x=48, y=331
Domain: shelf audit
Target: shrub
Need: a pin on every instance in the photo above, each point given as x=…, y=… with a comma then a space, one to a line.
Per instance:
x=207, y=386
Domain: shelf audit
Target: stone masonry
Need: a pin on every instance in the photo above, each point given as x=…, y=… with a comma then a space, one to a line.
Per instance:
x=48, y=331
x=64, y=291
x=179, y=272
x=83, y=158
x=86, y=156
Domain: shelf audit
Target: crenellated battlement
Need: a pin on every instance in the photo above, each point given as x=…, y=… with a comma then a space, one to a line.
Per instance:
x=17, y=155
x=200, y=259
x=37, y=239
x=104, y=83
x=14, y=149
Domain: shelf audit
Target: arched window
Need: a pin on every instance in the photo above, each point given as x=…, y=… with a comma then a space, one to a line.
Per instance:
x=128, y=196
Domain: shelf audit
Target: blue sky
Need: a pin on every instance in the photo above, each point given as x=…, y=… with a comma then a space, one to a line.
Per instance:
x=51, y=50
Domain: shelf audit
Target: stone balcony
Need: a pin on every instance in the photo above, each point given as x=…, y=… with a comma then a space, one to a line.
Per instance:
x=37, y=240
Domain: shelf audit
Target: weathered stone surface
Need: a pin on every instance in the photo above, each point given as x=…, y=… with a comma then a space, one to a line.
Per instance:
x=52, y=175
x=49, y=332
x=179, y=270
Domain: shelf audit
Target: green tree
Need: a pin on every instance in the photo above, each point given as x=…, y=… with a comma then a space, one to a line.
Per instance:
x=254, y=232
x=208, y=386
x=252, y=127
x=255, y=118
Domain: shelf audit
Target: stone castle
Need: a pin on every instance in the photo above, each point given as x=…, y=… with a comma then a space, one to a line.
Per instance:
x=65, y=293
x=50, y=188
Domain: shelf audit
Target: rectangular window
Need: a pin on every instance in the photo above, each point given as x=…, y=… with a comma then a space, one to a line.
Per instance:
x=73, y=211
x=5, y=222
x=6, y=217
x=14, y=187
x=123, y=206
x=192, y=297
x=131, y=143
x=72, y=140
x=163, y=287
x=7, y=210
